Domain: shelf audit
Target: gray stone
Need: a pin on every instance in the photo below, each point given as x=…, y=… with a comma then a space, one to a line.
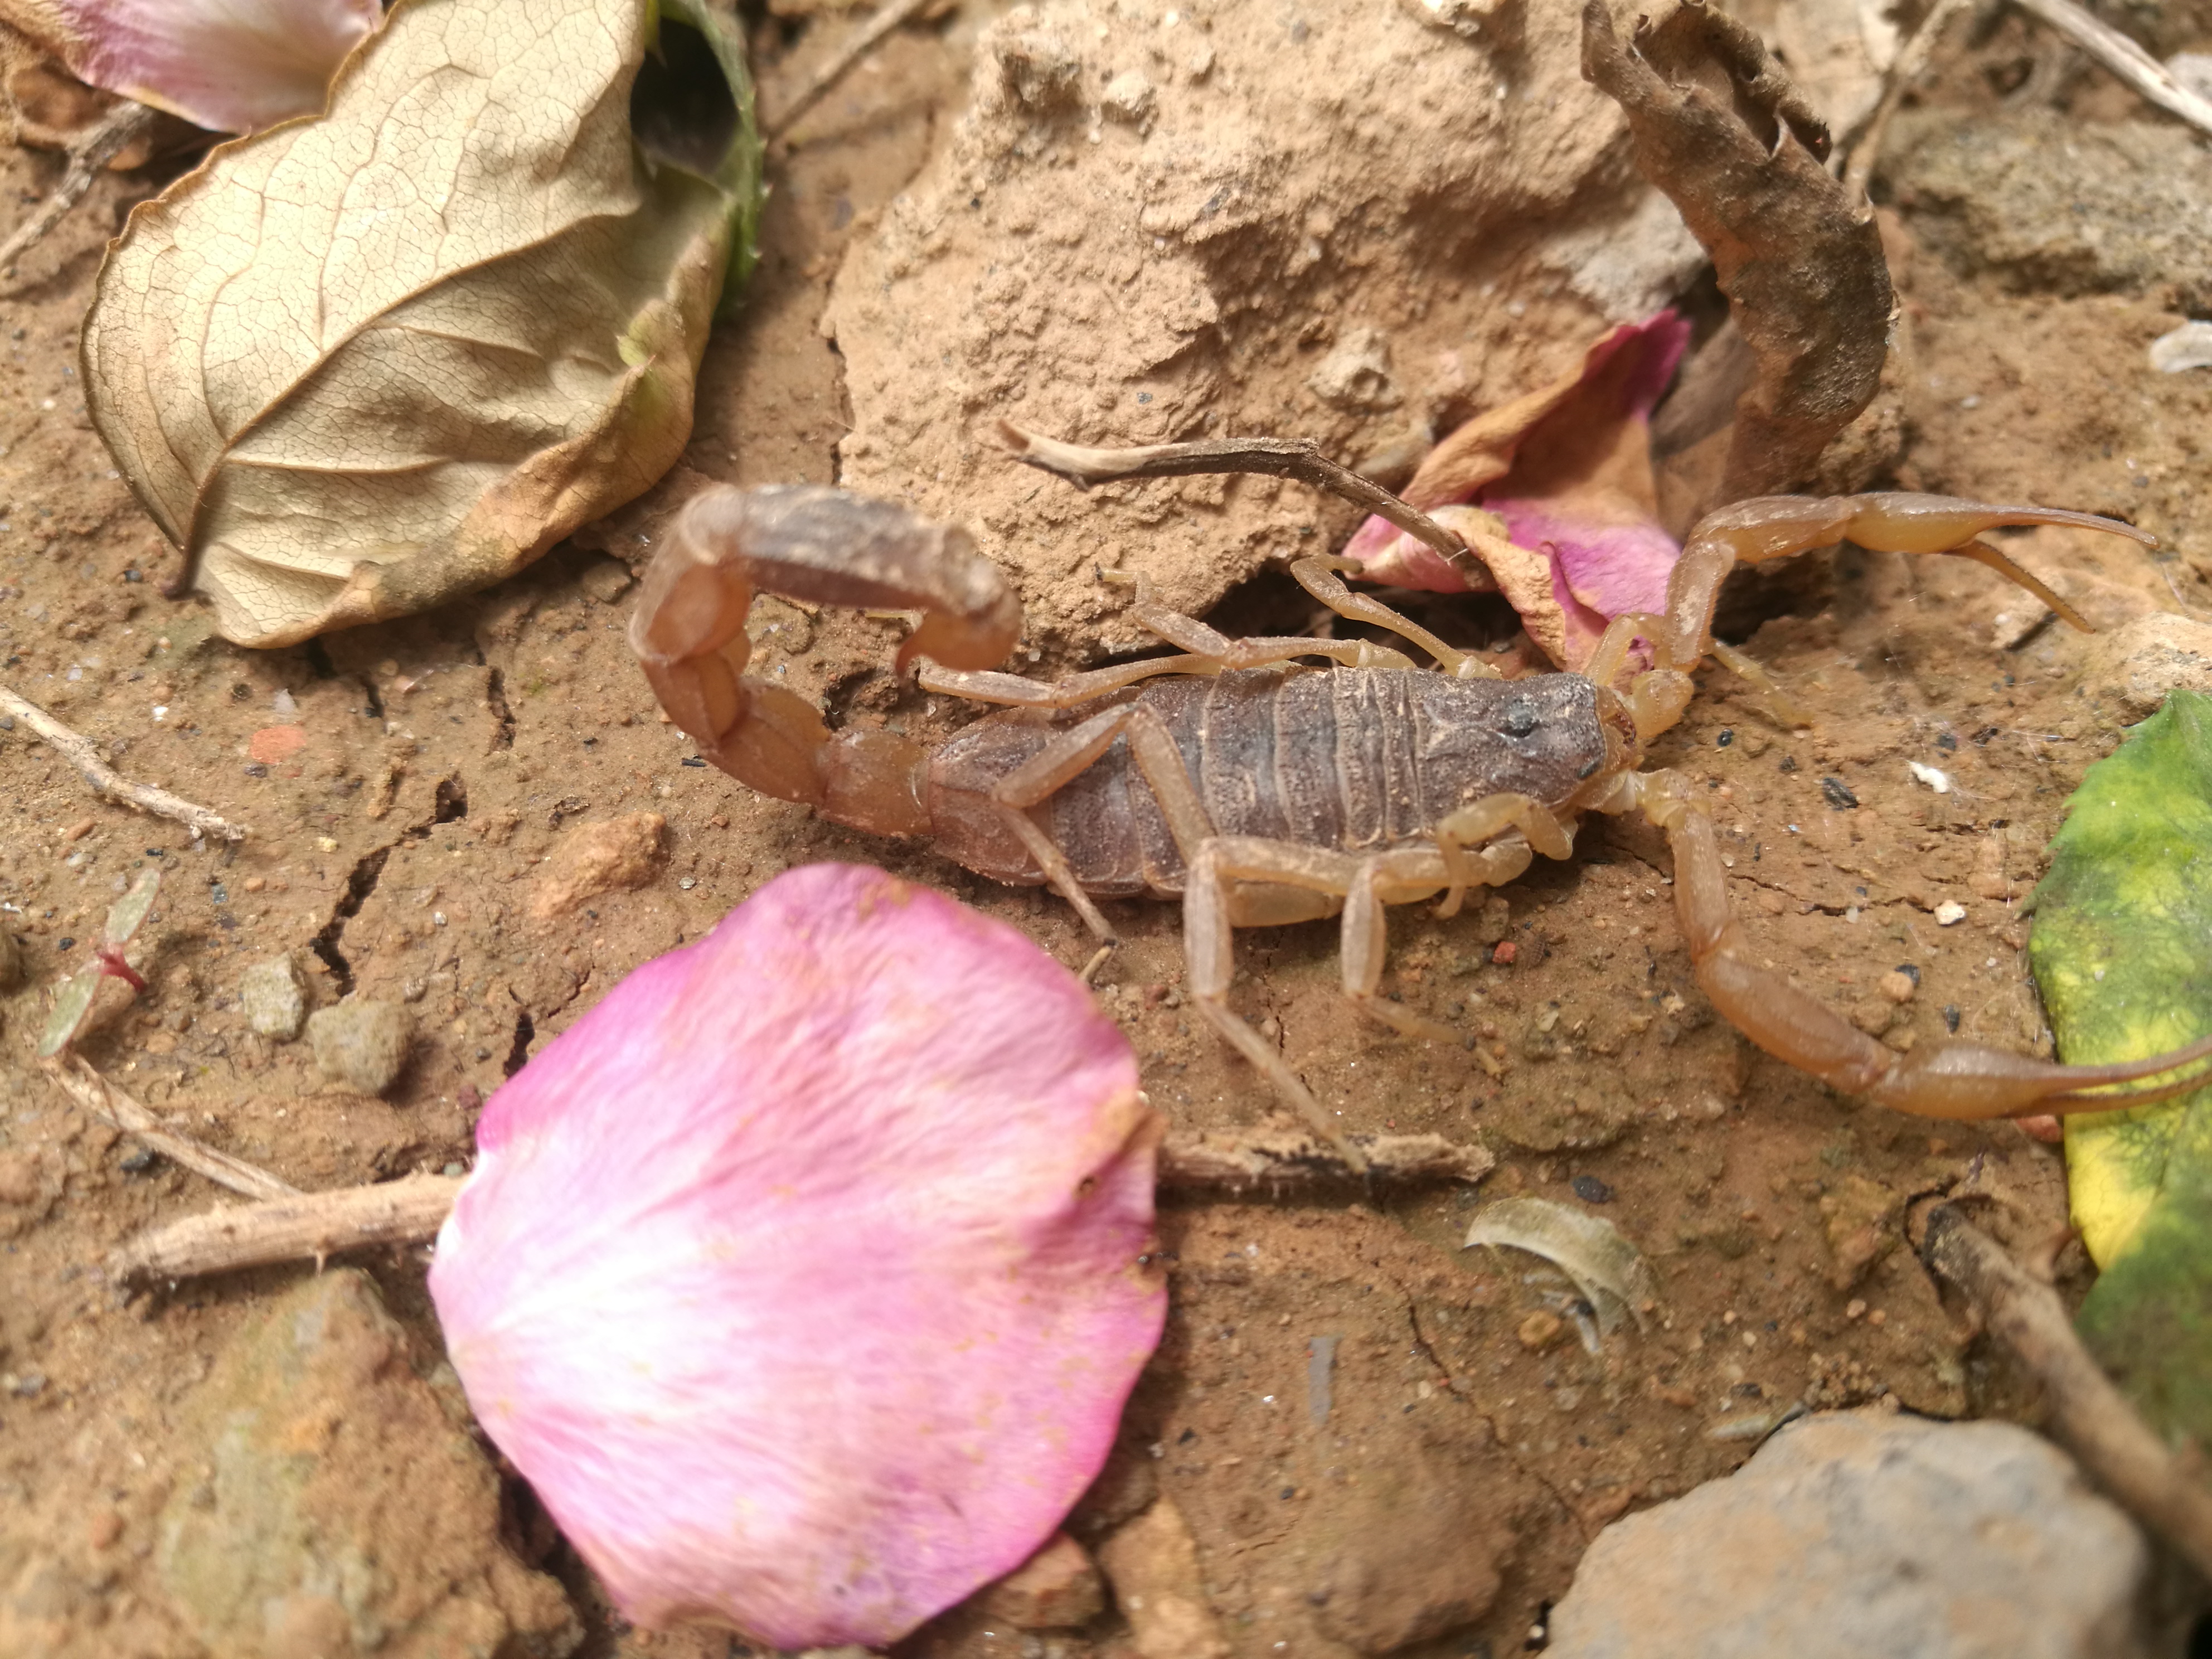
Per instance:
x=360, y=1044
x=329, y=1501
x=2052, y=203
x=275, y=999
x=2129, y=670
x=1858, y=1533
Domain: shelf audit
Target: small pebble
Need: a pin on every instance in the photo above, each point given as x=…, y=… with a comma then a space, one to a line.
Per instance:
x=360, y=1044
x=1591, y=1190
x=275, y=1001
x=1898, y=986
x=1504, y=955
x=1833, y=792
x=1950, y=913
x=139, y=1160
x=1540, y=1330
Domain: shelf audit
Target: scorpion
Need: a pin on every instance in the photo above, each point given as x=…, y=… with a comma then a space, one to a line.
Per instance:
x=1263, y=791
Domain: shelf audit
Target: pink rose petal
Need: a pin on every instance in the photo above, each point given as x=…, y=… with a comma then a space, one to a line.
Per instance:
x=802, y=1276
x=232, y=65
x=1566, y=473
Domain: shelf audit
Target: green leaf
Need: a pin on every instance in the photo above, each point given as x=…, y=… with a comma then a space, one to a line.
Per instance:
x=2123, y=953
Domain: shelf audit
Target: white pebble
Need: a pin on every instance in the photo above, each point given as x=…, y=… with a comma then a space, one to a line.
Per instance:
x=1934, y=776
x=1948, y=912
x=2187, y=347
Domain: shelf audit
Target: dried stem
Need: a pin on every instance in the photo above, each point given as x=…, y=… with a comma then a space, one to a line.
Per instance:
x=1296, y=1161
x=111, y=1104
x=308, y=1227
x=864, y=40
x=2124, y=57
x=2088, y=1414
x=88, y=154
x=1280, y=457
x=298, y=1227
x=1911, y=60
x=81, y=753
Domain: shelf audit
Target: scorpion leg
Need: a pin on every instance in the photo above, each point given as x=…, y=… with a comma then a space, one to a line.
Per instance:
x=1216, y=899
x=1775, y=526
x=1962, y=1080
x=1204, y=641
x=1478, y=821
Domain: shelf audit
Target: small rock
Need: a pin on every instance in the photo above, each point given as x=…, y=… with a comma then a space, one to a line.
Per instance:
x=1129, y=98
x=2135, y=665
x=326, y=1502
x=360, y=1044
x=605, y=580
x=1418, y=1548
x=1866, y=1532
x=1897, y=985
x=275, y=999
x=610, y=856
x=1539, y=1330
x=272, y=743
x=1153, y=1566
x=1056, y=1589
x=1860, y=1220
x=1950, y=913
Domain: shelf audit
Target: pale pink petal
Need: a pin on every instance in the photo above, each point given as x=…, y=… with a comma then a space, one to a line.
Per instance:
x=232, y=65
x=803, y=1276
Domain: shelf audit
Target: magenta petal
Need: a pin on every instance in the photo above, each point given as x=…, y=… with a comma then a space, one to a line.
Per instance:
x=233, y=65
x=1568, y=468
x=802, y=1277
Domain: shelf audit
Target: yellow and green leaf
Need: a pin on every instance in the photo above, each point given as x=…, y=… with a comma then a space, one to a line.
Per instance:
x=2123, y=953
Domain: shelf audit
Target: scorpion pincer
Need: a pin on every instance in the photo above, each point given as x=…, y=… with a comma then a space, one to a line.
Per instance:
x=1263, y=791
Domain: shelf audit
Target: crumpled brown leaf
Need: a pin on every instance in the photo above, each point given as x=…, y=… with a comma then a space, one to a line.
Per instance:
x=359, y=365
x=1737, y=147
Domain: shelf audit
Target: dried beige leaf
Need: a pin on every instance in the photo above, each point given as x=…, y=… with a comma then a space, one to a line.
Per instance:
x=358, y=365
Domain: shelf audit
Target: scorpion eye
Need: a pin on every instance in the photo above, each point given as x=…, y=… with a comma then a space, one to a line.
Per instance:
x=1520, y=718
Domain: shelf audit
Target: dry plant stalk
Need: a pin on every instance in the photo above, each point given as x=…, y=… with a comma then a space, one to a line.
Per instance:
x=1281, y=458
x=111, y=1104
x=88, y=156
x=1739, y=150
x=892, y=14
x=301, y=1226
x=2124, y=57
x=306, y=1226
x=80, y=752
x=2089, y=1414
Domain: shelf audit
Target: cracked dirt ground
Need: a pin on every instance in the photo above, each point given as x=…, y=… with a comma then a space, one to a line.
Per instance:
x=399, y=848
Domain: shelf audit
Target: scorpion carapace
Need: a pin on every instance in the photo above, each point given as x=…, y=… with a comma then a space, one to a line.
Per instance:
x=1265, y=791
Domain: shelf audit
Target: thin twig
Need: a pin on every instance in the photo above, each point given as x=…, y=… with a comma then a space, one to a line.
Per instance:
x=81, y=753
x=300, y=1226
x=2124, y=57
x=308, y=1226
x=110, y=1103
x=856, y=47
x=1280, y=457
x=1296, y=1161
x=1903, y=72
x=89, y=154
x=2091, y=1416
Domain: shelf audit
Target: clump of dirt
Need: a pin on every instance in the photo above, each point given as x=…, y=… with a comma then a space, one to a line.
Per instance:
x=1332, y=223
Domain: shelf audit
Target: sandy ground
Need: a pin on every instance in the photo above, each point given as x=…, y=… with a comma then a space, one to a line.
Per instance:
x=434, y=764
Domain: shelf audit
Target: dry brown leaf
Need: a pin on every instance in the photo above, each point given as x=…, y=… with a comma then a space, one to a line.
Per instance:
x=358, y=365
x=1737, y=147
